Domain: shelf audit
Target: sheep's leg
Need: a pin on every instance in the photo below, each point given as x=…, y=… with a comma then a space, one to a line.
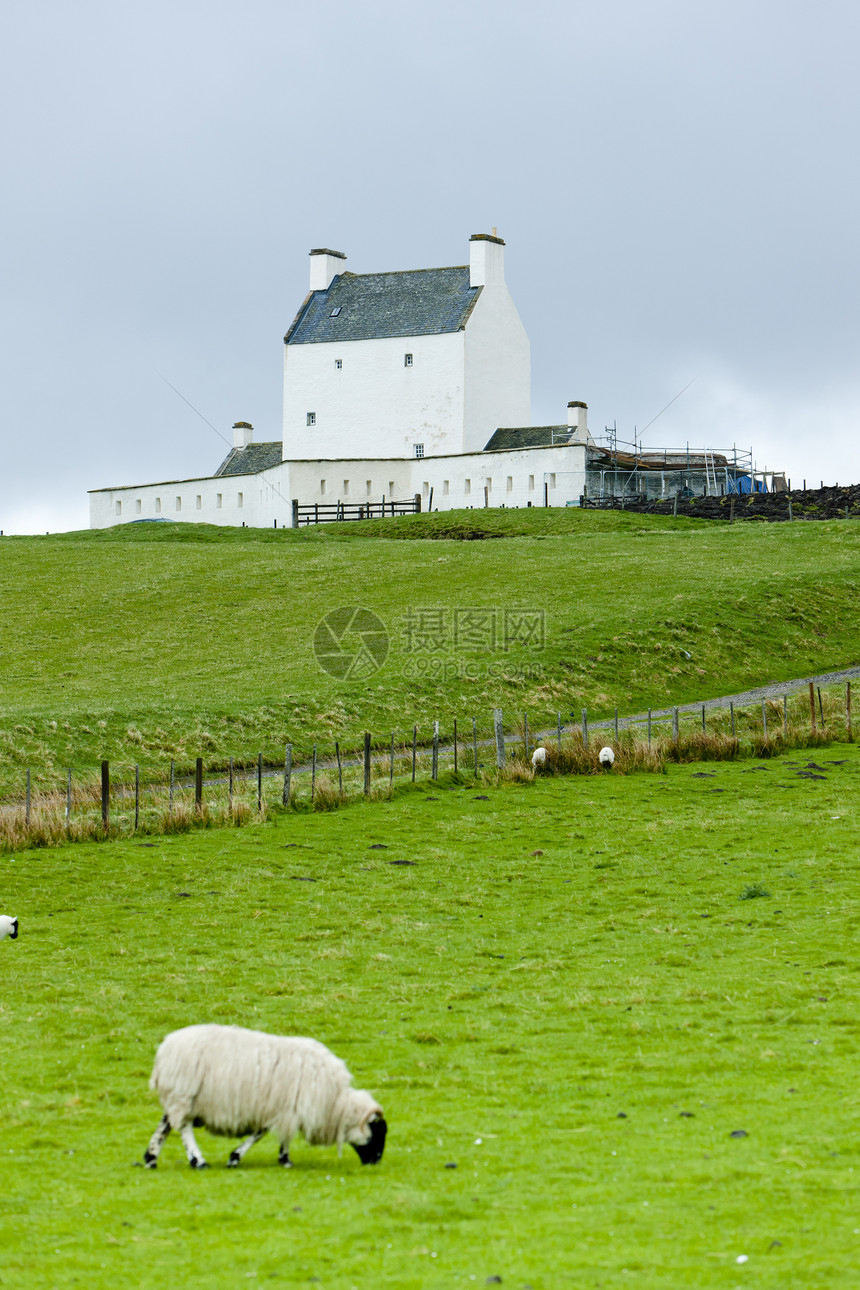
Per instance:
x=193, y=1152
x=238, y=1152
x=156, y=1142
x=284, y=1156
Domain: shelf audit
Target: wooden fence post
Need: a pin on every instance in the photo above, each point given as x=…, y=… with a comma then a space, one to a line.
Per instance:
x=812, y=705
x=198, y=785
x=585, y=728
x=105, y=795
x=435, y=771
x=314, y=773
x=366, y=763
x=259, y=782
x=649, y=727
x=821, y=709
x=339, y=767
x=732, y=713
x=455, y=745
x=848, y=710
x=558, y=723
x=295, y=511
x=288, y=773
x=498, y=730
x=675, y=725
x=764, y=717
x=704, y=727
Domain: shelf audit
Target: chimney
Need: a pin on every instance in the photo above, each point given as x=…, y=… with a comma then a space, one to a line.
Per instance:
x=486, y=259
x=325, y=265
x=243, y=434
x=577, y=420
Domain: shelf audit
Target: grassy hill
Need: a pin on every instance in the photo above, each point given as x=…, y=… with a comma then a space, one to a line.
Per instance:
x=157, y=641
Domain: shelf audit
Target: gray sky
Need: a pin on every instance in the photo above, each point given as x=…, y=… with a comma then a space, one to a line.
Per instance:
x=676, y=181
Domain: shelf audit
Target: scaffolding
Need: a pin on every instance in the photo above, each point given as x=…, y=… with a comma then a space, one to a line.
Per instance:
x=630, y=470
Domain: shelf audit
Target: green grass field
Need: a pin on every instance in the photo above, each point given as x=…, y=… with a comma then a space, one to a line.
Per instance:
x=570, y=992
x=150, y=642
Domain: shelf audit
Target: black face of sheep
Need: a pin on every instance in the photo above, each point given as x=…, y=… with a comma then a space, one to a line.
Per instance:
x=370, y=1152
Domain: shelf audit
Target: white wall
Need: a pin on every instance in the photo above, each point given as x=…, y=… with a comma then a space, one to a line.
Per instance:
x=374, y=405
x=513, y=479
x=498, y=367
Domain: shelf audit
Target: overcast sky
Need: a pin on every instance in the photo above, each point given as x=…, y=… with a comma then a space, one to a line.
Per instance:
x=676, y=182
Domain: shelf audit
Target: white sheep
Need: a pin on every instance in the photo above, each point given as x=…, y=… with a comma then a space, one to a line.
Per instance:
x=606, y=757
x=8, y=927
x=538, y=757
x=240, y=1082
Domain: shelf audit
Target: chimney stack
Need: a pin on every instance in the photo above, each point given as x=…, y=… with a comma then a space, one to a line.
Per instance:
x=325, y=265
x=486, y=259
x=577, y=420
x=243, y=434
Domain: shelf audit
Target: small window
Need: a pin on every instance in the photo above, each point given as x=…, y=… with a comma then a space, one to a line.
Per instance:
x=312, y=418
x=531, y=483
x=322, y=488
x=391, y=488
x=445, y=488
x=119, y=508
x=138, y=506
x=489, y=485
x=346, y=488
x=240, y=500
x=179, y=503
x=369, y=487
x=199, y=502
x=338, y=363
x=425, y=488
x=407, y=360
x=334, y=313
x=510, y=484
x=467, y=486
x=158, y=505
x=418, y=449
x=219, y=500
x=552, y=481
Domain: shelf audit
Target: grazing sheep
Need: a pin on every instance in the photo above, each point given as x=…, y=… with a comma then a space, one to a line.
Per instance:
x=606, y=757
x=8, y=927
x=539, y=757
x=240, y=1082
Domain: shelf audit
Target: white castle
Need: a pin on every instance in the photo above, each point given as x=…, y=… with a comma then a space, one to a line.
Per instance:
x=396, y=385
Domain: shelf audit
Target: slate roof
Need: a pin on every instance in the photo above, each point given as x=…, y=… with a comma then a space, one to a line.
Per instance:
x=528, y=437
x=412, y=302
x=251, y=460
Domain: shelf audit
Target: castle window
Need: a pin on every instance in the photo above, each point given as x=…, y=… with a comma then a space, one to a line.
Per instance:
x=531, y=483
x=391, y=488
x=407, y=360
x=346, y=488
x=334, y=313
x=219, y=499
x=338, y=363
x=510, y=483
x=119, y=508
x=179, y=503
x=552, y=481
x=158, y=505
x=312, y=418
x=240, y=499
x=489, y=485
x=322, y=488
x=138, y=506
x=467, y=486
x=418, y=449
x=445, y=488
x=199, y=502
x=369, y=487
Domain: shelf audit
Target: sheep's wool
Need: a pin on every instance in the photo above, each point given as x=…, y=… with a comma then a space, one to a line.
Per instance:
x=239, y=1082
